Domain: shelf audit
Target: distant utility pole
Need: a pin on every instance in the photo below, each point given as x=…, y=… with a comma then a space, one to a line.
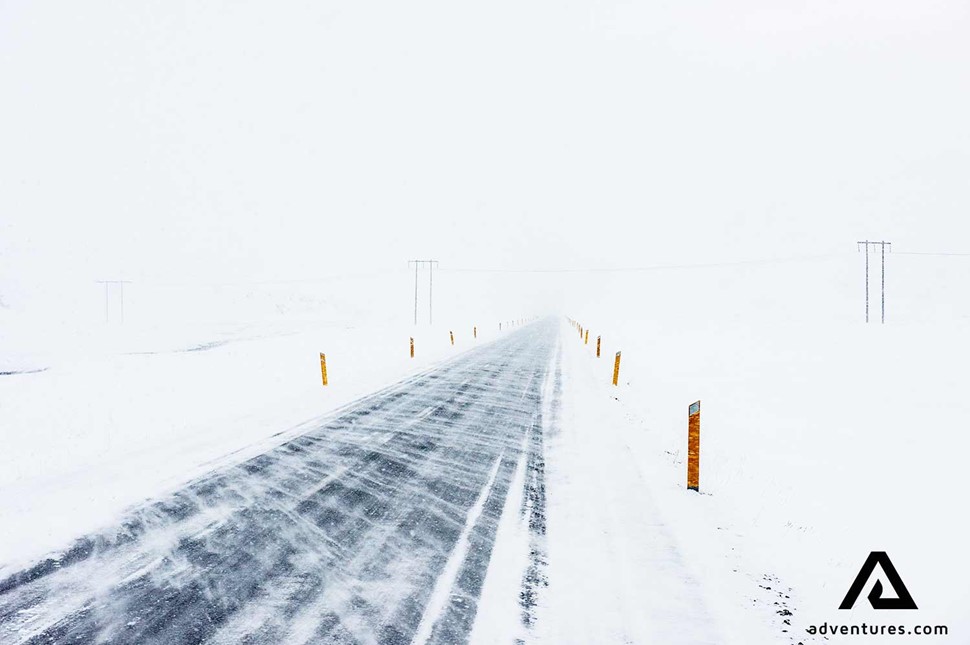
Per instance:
x=121, y=290
x=431, y=265
x=882, y=249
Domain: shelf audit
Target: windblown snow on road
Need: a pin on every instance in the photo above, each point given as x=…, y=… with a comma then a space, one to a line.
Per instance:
x=376, y=526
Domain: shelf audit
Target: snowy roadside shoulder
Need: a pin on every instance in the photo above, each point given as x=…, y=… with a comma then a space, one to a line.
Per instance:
x=751, y=602
x=820, y=445
x=630, y=545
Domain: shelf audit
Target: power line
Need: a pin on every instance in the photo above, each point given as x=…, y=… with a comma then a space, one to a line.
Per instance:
x=281, y=281
x=386, y=272
x=962, y=255
x=657, y=267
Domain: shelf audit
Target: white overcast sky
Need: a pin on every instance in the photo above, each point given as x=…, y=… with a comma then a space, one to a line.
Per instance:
x=164, y=140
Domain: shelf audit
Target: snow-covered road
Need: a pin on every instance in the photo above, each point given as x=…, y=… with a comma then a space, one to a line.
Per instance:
x=377, y=526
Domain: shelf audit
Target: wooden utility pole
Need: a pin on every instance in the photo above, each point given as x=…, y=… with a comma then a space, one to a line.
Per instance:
x=882, y=248
x=121, y=295
x=431, y=264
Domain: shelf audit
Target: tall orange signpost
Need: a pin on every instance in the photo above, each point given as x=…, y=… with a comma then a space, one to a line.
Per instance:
x=694, y=446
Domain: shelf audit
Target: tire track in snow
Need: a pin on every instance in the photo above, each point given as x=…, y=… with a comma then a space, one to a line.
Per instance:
x=534, y=501
x=442, y=590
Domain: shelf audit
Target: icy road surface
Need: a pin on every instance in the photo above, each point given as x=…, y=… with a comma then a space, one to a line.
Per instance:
x=375, y=527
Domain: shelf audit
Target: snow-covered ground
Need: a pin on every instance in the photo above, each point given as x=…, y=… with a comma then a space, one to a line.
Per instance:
x=687, y=180
x=822, y=439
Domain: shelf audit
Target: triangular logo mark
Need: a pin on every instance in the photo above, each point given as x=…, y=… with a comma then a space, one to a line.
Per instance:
x=903, y=599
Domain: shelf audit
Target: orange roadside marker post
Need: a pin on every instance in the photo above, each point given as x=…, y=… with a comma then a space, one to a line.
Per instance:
x=586, y=340
x=694, y=446
x=616, y=369
x=412, y=346
x=598, y=338
x=323, y=367
x=452, y=334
